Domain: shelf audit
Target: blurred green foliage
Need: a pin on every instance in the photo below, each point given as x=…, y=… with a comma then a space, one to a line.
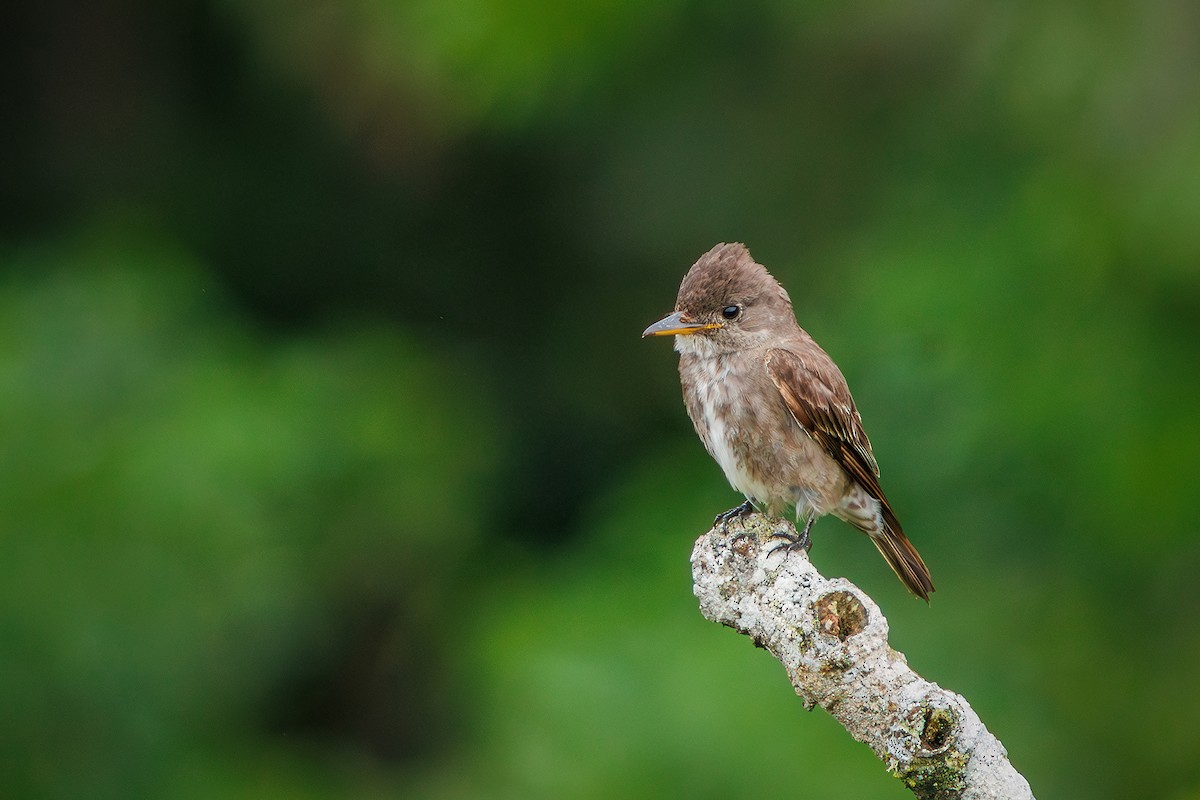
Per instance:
x=333, y=466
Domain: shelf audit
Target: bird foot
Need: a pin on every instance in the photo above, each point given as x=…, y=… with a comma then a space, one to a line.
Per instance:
x=795, y=541
x=738, y=511
x=790, y=542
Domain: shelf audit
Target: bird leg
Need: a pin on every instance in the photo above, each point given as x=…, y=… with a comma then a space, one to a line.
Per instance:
x=796, y=541
x=738, y=511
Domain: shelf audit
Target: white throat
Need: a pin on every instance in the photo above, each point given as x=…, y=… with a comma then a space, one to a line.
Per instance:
x=696, y=344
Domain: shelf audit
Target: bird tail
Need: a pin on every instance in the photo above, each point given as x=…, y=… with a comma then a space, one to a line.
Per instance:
x=901, y=556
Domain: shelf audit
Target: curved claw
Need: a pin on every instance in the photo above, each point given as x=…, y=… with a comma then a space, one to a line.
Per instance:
x=792, y=541
x=796, y=541
x=738, y=511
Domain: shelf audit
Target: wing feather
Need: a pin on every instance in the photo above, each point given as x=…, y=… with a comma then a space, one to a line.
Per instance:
x=816, y=394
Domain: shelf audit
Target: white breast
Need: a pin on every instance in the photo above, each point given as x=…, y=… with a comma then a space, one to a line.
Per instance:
x=719, y=427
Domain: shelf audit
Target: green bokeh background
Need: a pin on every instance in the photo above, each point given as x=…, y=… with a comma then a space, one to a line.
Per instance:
x=332, y=465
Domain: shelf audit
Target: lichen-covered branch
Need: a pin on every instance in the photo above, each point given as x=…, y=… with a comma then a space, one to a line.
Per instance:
x=833, y=641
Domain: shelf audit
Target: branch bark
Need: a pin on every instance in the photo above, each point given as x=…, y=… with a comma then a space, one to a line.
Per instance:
x=832, y=640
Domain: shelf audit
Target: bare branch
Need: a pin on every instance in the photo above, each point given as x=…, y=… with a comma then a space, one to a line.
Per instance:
x=832, y=640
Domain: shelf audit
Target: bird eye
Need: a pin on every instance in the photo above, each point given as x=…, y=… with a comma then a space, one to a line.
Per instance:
x=729, y=312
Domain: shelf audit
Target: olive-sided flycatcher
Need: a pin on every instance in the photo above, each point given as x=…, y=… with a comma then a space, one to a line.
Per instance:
x=774, y=410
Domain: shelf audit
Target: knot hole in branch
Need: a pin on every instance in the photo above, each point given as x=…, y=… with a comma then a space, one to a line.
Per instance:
x=938, y=730
x=841, y=614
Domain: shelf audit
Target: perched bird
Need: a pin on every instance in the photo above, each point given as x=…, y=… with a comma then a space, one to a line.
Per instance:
x=773, y=409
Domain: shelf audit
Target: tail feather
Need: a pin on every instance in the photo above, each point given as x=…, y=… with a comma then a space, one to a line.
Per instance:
x=901, y=556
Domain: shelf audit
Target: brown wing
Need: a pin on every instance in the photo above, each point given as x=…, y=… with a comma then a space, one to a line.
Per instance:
x=816, y=394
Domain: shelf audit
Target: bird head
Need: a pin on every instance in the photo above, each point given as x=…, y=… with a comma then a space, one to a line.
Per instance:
x=727, y=302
